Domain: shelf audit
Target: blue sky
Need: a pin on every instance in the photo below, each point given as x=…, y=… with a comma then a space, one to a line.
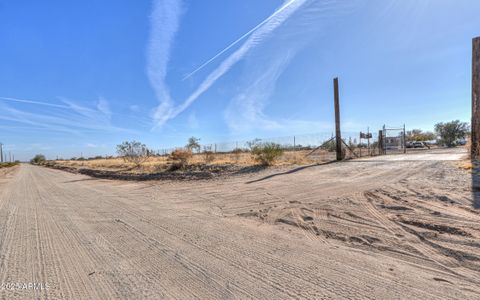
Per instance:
x=79, y=77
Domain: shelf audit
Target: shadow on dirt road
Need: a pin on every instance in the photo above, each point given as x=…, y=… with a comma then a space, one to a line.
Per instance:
x=476, y=184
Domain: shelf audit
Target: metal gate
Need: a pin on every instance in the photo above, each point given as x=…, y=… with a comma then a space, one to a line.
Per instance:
x=394, y=140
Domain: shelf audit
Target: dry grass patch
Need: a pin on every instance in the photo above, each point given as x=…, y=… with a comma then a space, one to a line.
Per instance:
x=8, y=164
x=157, y=164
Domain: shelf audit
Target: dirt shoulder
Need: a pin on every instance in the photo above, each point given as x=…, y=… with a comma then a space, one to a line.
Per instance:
x=8, y=168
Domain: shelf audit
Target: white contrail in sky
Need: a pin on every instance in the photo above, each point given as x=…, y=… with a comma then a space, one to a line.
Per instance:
x=256, y=38
x=167, y=112
x=33, y=102
x=285, y=6
x=164, y=20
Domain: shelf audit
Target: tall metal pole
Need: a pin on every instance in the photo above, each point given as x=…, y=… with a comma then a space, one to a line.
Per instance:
x=338, y=137
x=475, y=97
x=1, y=152
x=404, y=140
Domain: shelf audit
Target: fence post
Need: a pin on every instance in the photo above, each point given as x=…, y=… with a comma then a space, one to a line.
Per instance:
x=338, y=137
x=380, y=142
x=360, y=143
x=384, y=138
x=475, y=97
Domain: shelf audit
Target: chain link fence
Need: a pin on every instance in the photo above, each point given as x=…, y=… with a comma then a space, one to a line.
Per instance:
x=313, y=147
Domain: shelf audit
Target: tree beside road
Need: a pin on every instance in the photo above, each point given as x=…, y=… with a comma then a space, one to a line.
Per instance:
x=451, y=132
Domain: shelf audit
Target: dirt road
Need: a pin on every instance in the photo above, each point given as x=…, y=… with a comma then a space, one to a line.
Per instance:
x=394, y=227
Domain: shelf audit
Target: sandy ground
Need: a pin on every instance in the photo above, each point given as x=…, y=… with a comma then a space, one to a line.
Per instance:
x=392, y=227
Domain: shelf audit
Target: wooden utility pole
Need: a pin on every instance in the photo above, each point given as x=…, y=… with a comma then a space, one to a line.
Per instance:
x=338, y=134
x=380, y=142
x=475, y=151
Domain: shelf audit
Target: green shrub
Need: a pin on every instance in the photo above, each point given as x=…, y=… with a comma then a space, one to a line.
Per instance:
x=38, y=159
x=266, y=153
x=330, y=145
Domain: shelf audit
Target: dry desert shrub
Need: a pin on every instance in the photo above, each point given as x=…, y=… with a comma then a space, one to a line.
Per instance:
x=237, y=152
x=209, y=156
x=181, y=158
x=133, y=152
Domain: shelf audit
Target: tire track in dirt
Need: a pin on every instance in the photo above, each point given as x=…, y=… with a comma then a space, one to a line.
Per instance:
x=180, y=234
x=176, y=241
x=398, y=231
x=225, y=258
x=134, y=239
x=69, y=231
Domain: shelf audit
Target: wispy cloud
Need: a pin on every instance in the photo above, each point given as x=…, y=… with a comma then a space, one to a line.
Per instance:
x=192, y=121
x=134, y=108
x=166, y=112
x=164, y=21
x=245, y=111
x=104, y=107
x=69, y=117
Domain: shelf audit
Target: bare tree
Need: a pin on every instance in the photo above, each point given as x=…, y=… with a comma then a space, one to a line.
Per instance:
x=193, y=144
x=133, y=152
